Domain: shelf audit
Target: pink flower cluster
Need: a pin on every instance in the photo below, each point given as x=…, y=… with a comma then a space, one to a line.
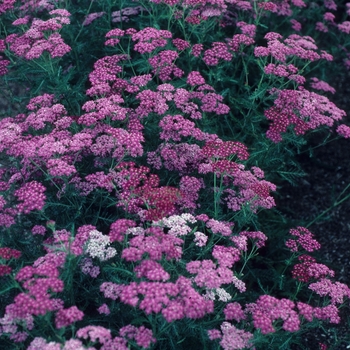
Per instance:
x=134, y=197
x=174, y=300
x=102, y=336
x=35, y=40
x=303, y=47
x=329, y=312
x=336, y=291
x=65, y=317
x=321, y=85
x=231, y=337
x=142, y=335
x=304, y=238
x=31, y=197
x=39, y=281
x=309, y=269
x=304, y=109
x=268, y=309
x=163, y=65
x=155, y=243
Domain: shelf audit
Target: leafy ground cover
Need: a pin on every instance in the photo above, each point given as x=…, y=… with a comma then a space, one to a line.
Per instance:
x=164, y=177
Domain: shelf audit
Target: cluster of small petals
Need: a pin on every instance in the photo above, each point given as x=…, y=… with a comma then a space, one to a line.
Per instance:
x=226, y=256
x=119, y=228
x=163, y=65
x=97, y=246
x=66, y=317
x=304, y=109
x=223, y=295
x=41, y=343
x=330, y=5
x=142, y=336
x=321, y=27
x=111, y=290
x=181, y=44
x=321, y=85
x=95, y=333
x=149, y=39
x=225, y=149
x=257, y=236
x=200, y=239
x=105, y=72
x=155, y=243
x=300, y=271
x=33, y=43
x=6, y=5
x=239, y=284
x=223, y=228
x=189, y=187
x=268, y=309
x=234, y=311
x=59, y=167
x=305, y=310
x=208, y=274
x=231, y=337
x=218, y=51
x=141, y=80
x=336, y=291
x=343, y=130
x=152, y=270
x=100, y=180
x=196, y=49
x=234, y=338
x=268, y=6
x=174, y=300
x=194, y=78
x=32, y=197
x=5, y=270
x=104, y=310
x=123, y=14
x=241, y=242
x=88, y=268
x=329, y=312
x=178, y=224
x=280, y=70
x=296, y=25
x=176, y=126
x=151, y=101
x=304, y=239
x=237, y=40
x=248, y=29
x=3, y=66
x=80, y=239
x=91, y=17
x=9, y=253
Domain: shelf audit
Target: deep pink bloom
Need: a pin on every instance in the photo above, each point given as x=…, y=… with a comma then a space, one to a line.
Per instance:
x=65, y=317
x=304, y=238
x=31, y=196
x=268, y=309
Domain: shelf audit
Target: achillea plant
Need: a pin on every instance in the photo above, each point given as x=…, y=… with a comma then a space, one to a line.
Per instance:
x=137, y=180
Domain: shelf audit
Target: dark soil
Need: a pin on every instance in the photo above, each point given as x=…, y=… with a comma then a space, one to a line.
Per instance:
x=328, y=176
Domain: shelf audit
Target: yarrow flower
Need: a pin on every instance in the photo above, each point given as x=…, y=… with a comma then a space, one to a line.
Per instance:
x=66, y=317
x=304, y=238
x=31, y=196
x=97, y=246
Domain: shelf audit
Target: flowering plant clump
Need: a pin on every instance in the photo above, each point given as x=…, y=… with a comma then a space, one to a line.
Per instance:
x=140, y=165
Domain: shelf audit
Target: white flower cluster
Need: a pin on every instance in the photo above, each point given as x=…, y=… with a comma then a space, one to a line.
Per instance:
x=97, y=246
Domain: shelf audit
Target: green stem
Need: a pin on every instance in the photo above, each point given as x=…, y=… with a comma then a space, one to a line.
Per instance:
x=335, y=204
